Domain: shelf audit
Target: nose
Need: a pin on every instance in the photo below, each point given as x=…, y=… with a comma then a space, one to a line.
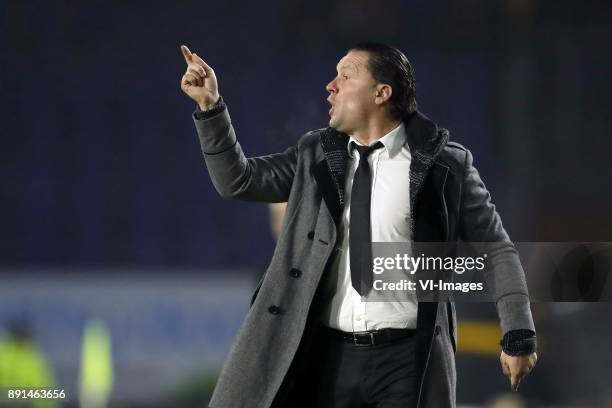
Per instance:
x=331, y=87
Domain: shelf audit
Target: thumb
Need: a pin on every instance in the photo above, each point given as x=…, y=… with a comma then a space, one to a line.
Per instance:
x=196, y=58
x=505, y=368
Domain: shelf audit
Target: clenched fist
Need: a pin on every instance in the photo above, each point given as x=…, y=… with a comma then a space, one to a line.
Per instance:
x=199, y=81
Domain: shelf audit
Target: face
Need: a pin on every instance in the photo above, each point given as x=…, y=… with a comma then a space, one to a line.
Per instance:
x=352, y=93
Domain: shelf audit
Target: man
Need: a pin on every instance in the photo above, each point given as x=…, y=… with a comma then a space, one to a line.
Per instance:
x=381, y=171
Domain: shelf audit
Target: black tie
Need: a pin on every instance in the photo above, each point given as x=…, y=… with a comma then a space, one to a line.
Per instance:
x=360, y=234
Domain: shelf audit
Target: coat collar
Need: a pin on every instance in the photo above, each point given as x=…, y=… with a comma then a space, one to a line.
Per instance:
x=425, y=141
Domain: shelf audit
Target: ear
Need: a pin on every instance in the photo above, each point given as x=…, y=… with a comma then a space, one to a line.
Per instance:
x=383, y=93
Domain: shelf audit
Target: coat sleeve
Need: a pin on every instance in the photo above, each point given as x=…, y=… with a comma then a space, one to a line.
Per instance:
x=481, y=224
x=265, y=178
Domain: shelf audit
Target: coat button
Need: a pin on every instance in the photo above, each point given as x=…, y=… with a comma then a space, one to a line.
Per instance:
x=311, y=235
x=274, y=310
x=296, y=273
x=438, y=330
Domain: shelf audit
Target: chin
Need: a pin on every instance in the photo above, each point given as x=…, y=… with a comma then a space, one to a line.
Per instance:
x=334, y=124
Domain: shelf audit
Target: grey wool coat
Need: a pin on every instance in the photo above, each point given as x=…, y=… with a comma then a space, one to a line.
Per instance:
x=448, y=202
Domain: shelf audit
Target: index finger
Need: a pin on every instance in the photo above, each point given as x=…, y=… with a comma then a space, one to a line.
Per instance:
x=186, y=53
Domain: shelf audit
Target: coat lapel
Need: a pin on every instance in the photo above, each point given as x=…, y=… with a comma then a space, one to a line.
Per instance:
x=439, y=173
x=330, y=173
x=329, y=189
x=425, y=141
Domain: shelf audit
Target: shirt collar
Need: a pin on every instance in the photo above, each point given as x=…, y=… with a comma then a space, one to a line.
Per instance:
x=392, y=141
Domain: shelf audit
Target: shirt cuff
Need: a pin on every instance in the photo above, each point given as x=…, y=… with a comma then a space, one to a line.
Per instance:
x=207, y=114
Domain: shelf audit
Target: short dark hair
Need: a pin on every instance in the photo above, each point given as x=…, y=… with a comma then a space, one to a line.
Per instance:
x=388, y=65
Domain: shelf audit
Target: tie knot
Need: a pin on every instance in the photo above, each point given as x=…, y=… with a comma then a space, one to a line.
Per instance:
x=364, y=151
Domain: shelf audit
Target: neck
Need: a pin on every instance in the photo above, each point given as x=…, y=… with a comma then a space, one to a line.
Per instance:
x=374, y=130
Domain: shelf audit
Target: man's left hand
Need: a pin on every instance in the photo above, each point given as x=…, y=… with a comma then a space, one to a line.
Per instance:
x=516, y=368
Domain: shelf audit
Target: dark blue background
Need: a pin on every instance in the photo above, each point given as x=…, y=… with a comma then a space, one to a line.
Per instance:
x=100, y=163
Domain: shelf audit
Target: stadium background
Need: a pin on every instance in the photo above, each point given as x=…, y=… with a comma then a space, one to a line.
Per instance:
x=107, y=211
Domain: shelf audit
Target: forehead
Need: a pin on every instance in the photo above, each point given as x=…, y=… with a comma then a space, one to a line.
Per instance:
x=355, y=60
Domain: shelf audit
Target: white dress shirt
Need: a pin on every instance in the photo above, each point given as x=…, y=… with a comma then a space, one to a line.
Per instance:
x=390, y=222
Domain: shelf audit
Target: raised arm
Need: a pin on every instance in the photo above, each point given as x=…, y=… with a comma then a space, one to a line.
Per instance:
x=266, y=178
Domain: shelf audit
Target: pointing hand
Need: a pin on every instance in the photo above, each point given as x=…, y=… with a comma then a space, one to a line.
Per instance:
x=199, y=81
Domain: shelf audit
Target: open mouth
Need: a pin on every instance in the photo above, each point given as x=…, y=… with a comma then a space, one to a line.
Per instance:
x=331, y=109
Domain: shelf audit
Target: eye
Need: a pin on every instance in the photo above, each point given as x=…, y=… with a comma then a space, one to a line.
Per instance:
x=345, y=76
